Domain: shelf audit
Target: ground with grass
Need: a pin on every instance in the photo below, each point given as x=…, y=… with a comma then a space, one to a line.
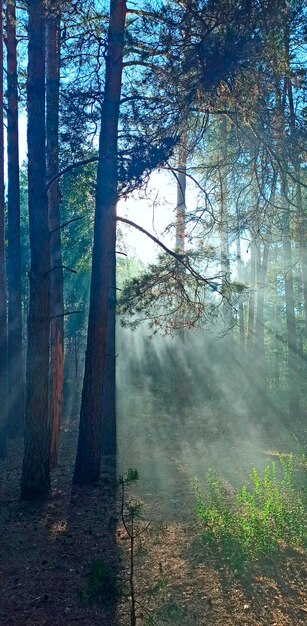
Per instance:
x=67, y=561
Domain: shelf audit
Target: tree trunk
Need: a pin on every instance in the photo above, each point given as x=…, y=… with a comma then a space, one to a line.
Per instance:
x=277, y=351
x=240, y=303
x=76, y=383
x=108, y=437
x=181, y=195
x=3, y=312
x=224, y=231
x=251, y=300
x=35, y=480
x=56, y=276
x=303, y=245
x=259, y=351
x=224, y=240
x=302, y=218
x=16, y=380
x=88, y=461
x=293, y=380
x=180, y=379
x=282, y=121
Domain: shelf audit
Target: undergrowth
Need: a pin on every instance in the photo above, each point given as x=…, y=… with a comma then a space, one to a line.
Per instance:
x=258, y=519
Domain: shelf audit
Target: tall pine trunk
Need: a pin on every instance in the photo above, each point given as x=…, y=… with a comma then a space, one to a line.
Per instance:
x=240, y=279
x=35, y=479
x=56, y=276
x=108, y=427
x=259, y=349
x=293, y=374
x=224, y=232
x=16, y=379
x=88, y=461
x=251, y=299
x=3, y=311
x=281, y=91
x=302, y=217
x=181, y=365
x=181, y=195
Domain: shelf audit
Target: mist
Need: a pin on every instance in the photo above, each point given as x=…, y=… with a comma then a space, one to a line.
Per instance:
x=191, y=404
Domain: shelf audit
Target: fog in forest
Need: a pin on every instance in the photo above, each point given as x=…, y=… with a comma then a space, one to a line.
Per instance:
x=191, y=404
x=153, y=312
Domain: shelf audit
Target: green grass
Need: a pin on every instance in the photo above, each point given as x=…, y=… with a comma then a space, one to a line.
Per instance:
x=258, y=519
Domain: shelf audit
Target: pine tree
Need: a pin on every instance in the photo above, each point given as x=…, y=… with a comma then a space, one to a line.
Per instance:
x=3, y=298
x=16, y=375
x=35, y=479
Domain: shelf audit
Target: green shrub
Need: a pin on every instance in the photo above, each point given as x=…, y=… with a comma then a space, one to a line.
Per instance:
x=103, y=584
x=254, y=521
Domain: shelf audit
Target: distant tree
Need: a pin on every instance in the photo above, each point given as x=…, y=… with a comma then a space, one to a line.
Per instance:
x=77, y=210
x=281, y=124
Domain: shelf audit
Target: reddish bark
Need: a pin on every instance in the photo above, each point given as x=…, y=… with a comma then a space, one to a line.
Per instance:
x=56, y=390
x=56, y=276
x=88, y=461
x=35, y=480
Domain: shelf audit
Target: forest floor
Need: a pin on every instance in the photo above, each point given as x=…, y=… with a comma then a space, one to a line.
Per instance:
x=55, y=555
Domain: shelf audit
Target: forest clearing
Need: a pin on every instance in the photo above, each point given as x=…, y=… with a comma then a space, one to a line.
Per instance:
x=153, y=312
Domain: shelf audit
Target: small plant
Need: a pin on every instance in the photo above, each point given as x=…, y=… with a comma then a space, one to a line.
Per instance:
x=176, y=613
x=255, y=520
x=149, y=621
x=160, y=585
x=304, y=460
x=130, y=514
x=103, y=584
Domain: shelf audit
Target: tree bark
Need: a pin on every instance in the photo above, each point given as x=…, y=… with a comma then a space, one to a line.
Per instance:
x=109, y=434
x=35, y=480
x=240, y=278
x=251, y=300
x=56, y=276
x=16, y=382
x=293, y=380
x=293, y=372
x=224, y=228
x=181, y=194
x=3, y=311
x=302, y=218
x=259, y=350
x=180, y=378
x=88, y=461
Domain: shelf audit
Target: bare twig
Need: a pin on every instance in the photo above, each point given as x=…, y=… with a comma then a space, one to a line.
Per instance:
x=70, y=167
x=74, y=219
x=182, y=258
x=65, y=314
x=62, y=267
